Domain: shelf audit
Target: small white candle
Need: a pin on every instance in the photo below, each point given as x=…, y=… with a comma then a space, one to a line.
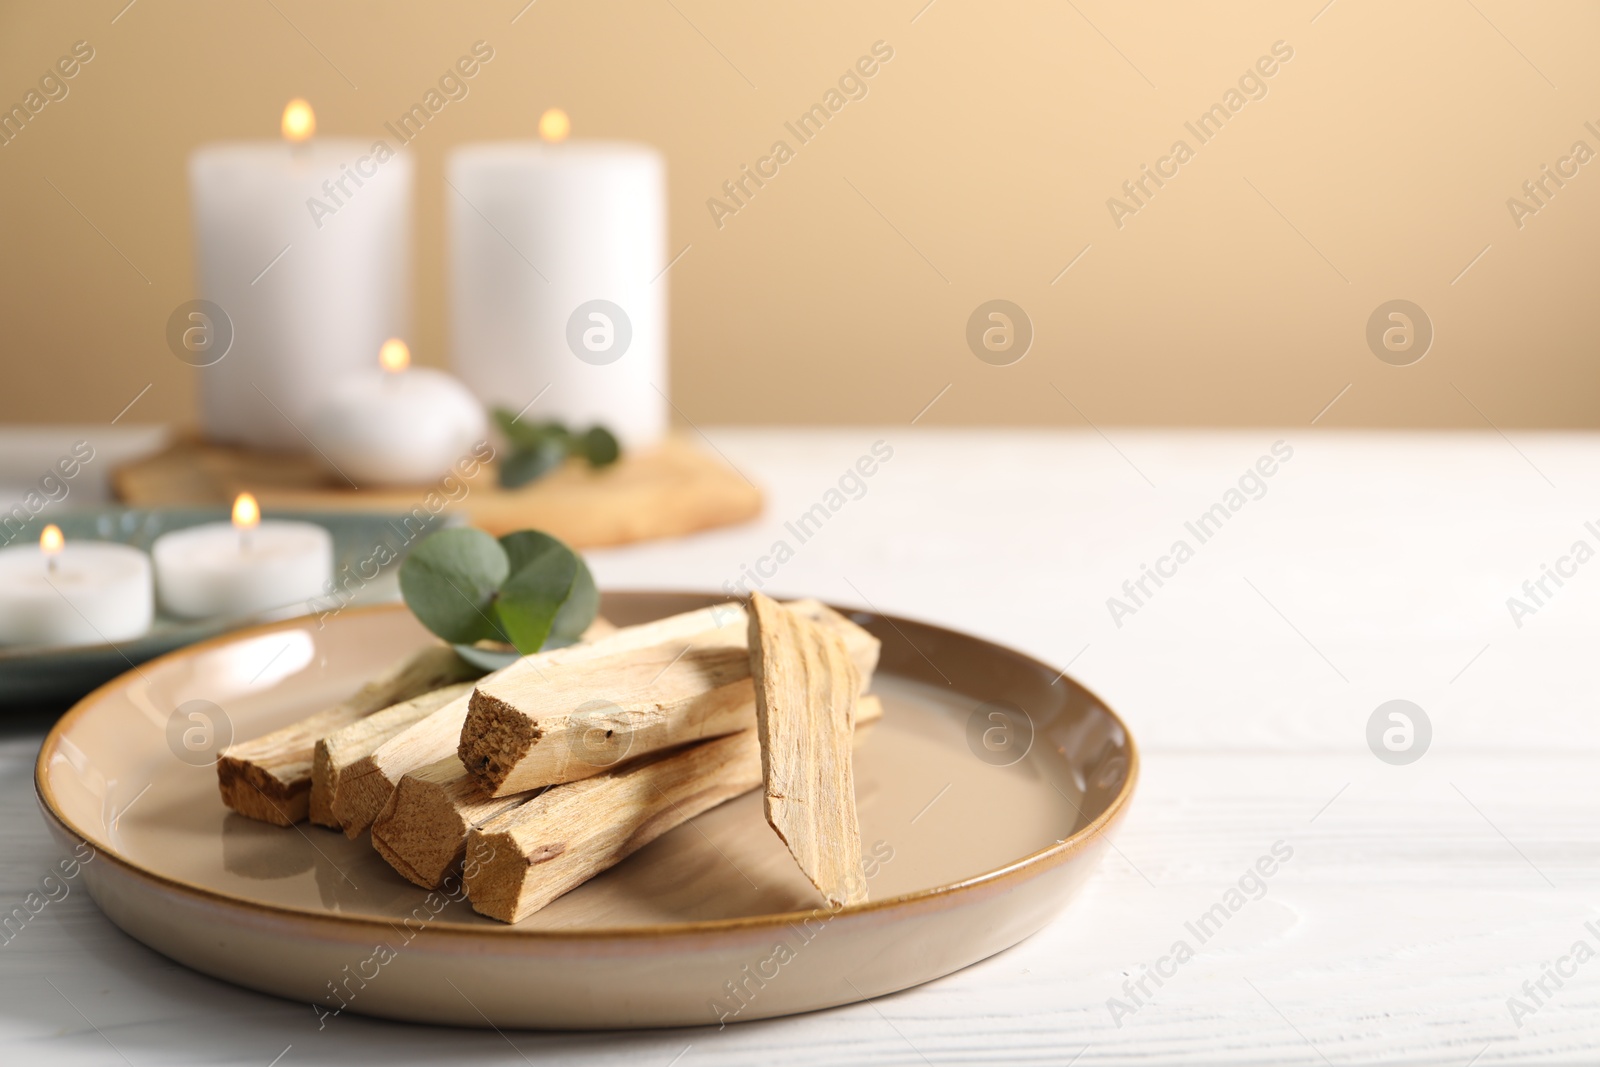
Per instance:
x=590, y=217
x=305, y=245
x=85, y=593
x=242, y=567
x=398, y=425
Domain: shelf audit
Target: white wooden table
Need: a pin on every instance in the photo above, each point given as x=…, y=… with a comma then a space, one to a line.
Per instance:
x=1417, y=900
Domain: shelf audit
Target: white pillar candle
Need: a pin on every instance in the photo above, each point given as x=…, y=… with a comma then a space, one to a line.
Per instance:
x=540, y=236
x=242, y=567
x=395, y=424
x=85, y=593
x=338, y=213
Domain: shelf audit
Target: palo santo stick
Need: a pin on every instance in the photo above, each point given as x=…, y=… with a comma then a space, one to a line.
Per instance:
x=806, y=690
x=575, y=723
x=269, y=778
x=423, y=830
x=531, y=731
x=365, y=787
x=336, y=752
x=550, y=844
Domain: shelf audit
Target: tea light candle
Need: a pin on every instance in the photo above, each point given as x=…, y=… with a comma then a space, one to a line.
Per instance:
x=86, y=593
x=242, y=567
x=305, y=245
x=398, y=425
x=590, y=217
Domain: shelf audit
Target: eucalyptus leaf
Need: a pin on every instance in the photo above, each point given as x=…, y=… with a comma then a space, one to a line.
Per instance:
x=583, y=604
x=537, y=448
x=532, y=595
x=527, y=589
x=519, y=433
x=599, y=446
x=450, y=581
x=487, y=659
x=526, y=547
x=529, y=464
x=553, y=428
x=531, y=598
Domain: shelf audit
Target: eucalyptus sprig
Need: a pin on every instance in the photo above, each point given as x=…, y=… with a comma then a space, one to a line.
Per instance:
x=526, y=589
x=537, y=448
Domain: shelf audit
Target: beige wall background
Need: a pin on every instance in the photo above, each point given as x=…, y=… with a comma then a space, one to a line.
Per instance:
x=1377, y=166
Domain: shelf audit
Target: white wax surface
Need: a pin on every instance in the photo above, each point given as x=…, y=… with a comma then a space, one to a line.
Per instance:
x=408, y=428
x=591, y=218
x=97, y=593
x=322, y=309
x=212, y=570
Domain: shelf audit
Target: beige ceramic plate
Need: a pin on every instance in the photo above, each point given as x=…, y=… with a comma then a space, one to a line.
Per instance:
x=976, y=834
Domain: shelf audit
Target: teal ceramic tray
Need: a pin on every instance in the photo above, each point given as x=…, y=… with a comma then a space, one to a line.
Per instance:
x=38, y=677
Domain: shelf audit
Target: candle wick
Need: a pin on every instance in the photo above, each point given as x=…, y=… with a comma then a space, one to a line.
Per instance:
x=50, y=565
x=244, y=540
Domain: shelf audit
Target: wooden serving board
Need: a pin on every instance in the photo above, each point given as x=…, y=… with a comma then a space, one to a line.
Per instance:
x=671, y=490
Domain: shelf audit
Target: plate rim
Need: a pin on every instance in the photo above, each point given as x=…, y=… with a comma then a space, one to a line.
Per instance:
x=1033, y=863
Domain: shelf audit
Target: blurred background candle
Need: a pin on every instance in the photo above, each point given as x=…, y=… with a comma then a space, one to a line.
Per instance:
x=557, y=272
x=242, y=567
x=394, y=424
x=305, y=245
x=85, y=593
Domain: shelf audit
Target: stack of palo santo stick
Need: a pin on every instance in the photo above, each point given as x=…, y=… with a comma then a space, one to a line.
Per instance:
x=559, y=766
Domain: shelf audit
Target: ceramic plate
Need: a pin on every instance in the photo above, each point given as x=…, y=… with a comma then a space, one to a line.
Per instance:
x=985, y=794
x=31, y=676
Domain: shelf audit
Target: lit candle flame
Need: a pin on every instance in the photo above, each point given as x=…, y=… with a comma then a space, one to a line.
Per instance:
x=554, y=125
x=299, y=121
x=246, y=513
x=50, y=541
x=394, y=356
